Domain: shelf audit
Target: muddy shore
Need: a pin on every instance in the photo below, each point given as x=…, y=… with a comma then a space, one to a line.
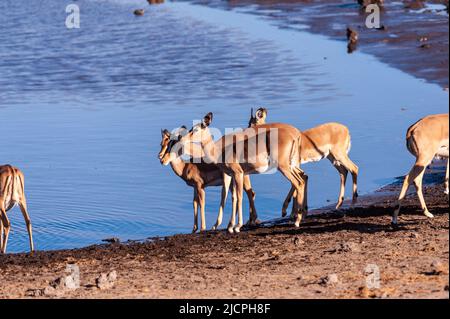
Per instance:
x=413, y=34
x=331, y=255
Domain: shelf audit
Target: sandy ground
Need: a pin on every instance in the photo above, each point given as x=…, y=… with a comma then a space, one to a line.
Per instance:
x=329, y=256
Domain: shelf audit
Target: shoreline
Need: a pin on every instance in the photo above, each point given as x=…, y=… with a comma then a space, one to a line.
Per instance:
x=293, y=262
x=412, y=27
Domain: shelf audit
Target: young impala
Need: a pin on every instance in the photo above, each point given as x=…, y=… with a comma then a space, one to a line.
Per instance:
x=11, y=193
x=330, y=140
x=251, y=151
x=426, y=139
x=199, y=176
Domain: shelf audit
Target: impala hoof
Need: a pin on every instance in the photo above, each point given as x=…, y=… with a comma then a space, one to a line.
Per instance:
x=237, y=229
x=297, y=224
x=446, y=192
x=428, y=214
x=214, y=227
x=230, y=229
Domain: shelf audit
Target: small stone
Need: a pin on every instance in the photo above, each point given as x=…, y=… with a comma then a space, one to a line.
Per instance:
x=139, y=12
x=34, y=292
x=330, y=280
x=106, y=280
x=347, y=247
x=112, y=240
x=49, y=291
x=414, y=235
x=437, y=268
x=298, y=241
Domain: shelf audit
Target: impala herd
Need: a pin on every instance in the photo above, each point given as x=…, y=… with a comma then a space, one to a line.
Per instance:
x=230, y=160
x=258, y=149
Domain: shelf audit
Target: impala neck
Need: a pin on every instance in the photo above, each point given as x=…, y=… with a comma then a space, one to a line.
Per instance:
x=210, y=149
x=178, y=165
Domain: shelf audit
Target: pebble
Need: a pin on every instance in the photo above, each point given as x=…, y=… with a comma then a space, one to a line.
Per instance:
x=106, y=280
x=437, y=267
x=330, y=280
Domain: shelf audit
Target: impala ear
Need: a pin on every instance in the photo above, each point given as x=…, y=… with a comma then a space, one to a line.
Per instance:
x=165, y=133
x=261, y=113
x=183, y=131
x=207, y=119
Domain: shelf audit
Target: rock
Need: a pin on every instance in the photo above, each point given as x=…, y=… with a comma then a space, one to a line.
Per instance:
x=139, y=12
x=112, y=240
x=414, y=235
x=365, y=292
x=34, y=293
x=298, y=241
x=437, y=268
x=330, y=280
x=347, y=247
x=155, y=1
x=106, y=281
x=65, y=282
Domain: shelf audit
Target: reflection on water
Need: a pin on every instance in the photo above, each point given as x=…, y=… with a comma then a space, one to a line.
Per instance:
x=82, y=110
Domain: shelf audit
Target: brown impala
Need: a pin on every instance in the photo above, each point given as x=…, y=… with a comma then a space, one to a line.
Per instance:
x=251, y=151
x=199, y=176
x=330, y=140
x=426, y=139
x=12, y=193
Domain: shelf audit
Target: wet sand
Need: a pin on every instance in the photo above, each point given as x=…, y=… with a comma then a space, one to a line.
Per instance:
x=413, y=36
x=327, y=257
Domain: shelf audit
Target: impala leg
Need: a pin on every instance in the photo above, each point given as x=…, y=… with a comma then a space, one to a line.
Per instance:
x=239, y=182
x=287, y=201
x=301, y=176
x=251, y=199
x=446, y=179
x=6, y=227
x=201, y=199
x=26, y=217
x=232, y=222
x=418, y=185
x=294, y=209
x=412, y=175
x=225, y=187
x=343, y=176
x=299, y=185
x=345, y=161
x=1, y=233
x=195, y=205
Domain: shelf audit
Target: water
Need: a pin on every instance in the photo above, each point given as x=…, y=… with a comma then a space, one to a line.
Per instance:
x=82, y=110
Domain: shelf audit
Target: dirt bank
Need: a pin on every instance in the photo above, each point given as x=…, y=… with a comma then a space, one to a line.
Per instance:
x=413, y=36
x=327, y=257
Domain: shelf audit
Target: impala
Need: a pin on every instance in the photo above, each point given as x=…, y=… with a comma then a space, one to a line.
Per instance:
x=12, y=193
x=330, y=140
x=251, y=151
x=425, y=139
x=199, y=176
